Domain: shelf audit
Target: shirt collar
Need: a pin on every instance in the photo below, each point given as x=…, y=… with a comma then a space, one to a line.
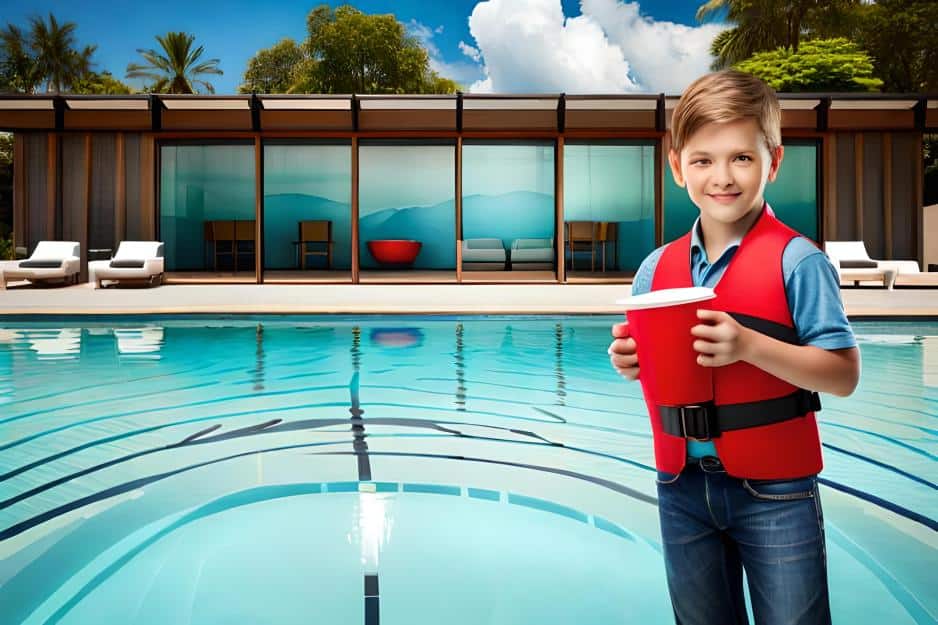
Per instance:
x=696, y=236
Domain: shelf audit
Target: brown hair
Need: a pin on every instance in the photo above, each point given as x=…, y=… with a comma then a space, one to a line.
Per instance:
x=726, y=96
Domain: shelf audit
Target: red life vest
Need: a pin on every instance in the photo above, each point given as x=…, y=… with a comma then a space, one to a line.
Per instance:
x=752, y=285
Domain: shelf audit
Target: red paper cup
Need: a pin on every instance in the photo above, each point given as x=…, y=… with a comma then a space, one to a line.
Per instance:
x=660, y=321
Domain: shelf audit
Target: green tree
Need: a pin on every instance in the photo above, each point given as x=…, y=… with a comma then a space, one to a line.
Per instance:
x=176, y=70
x=103, y=83
x=272, y=70
x=901, y=37
x=46, y=56
x=351, y=52
x=820, y=65
x=764, y=25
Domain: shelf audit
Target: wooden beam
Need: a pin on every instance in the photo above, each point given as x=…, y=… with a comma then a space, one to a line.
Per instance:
x=887, y=193
x=85, y=221
x=355, y=259
x=558, y=207
x=858, y=184
x=459, y=237
x=661, y=170
x=148, y=187
x=830, y=187
x=20, y=196
x=258, y=210
x=52, y=196
x=919, y=201
x=120, y=190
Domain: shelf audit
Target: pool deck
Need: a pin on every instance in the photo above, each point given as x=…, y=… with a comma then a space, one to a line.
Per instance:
x=459, y=299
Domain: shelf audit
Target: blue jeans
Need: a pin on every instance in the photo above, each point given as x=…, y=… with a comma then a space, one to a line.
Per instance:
x=713, y=526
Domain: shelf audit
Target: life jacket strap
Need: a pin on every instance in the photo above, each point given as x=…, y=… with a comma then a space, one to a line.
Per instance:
x=703, y=422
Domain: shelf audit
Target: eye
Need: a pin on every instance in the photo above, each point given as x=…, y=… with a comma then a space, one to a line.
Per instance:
x=744, y=156
x=699, y=160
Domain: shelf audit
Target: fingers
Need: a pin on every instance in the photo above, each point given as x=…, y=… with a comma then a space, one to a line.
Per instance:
x=623, y=346
x=620, y=330
x=711, y=349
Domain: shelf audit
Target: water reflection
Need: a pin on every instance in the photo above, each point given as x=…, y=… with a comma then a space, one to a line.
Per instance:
x=139, y=343
x=397, y=337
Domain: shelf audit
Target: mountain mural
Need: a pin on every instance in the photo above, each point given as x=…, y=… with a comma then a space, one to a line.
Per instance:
x=282, y=214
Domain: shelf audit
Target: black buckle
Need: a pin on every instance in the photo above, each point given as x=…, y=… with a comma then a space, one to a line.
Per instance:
x=698, y=421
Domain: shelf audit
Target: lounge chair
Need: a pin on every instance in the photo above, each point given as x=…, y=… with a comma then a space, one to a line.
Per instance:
x=855, y=265
x=532, y=252
x=50, y=261
x=483, y=254
x=134, y=261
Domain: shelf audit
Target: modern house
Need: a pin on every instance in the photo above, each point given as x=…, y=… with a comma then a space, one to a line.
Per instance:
x=528, y=188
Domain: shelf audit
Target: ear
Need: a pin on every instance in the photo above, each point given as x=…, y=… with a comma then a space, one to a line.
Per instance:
x=674, y=159
x=777, y=156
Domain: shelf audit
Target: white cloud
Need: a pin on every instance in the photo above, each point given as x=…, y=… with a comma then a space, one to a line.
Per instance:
x=462, y=72
x=530, y=46
x=472, y=53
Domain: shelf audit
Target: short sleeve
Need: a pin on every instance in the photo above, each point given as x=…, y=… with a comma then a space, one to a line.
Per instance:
x=813, y=289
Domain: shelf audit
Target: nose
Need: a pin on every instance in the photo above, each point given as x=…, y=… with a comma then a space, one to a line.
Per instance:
x=722, y=176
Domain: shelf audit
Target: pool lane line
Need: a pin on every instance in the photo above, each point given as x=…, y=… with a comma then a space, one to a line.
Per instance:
x=372, y=613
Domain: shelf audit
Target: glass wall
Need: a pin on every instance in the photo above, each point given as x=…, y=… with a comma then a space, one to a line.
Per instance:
x=508, y=194
x=611, y=187
x=207, y=208
x=307, y=192
x=793, y=196
x=407, y=191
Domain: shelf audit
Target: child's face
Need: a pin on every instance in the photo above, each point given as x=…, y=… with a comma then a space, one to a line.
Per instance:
x=725, y=167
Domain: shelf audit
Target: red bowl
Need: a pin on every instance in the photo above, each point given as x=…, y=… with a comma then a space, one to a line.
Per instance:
x=394, y=251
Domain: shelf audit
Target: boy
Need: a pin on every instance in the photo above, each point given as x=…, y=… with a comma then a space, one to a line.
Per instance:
x=737, y=484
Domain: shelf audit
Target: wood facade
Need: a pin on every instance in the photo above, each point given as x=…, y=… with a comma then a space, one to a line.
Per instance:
x=870, y=160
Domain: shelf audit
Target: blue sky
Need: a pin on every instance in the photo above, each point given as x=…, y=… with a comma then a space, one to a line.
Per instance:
x=593, y=46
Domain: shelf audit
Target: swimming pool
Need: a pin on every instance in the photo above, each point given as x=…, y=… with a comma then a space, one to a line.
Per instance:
x=399, y=470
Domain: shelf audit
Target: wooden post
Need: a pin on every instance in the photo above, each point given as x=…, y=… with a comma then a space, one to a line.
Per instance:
x=52, y=195
x=918, y=192
x=887, y=193
x=459, y=237
x=85, y=221
x=858, y=183
x=20, y=196
x=661, y=170
x=830, y=187
x=355, y=258
x=258, y=210
x=120, y=191
x=558, y=218
x=148, y=187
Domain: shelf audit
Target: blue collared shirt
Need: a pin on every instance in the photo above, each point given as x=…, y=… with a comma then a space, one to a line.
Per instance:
x=811, y=283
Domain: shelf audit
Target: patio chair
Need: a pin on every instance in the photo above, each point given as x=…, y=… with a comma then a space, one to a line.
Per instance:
x=855, y=265
x=316, y=233
x=582, y=236
x=485, y=254
x=530, y=252
x=50, y=261
x=134, y=262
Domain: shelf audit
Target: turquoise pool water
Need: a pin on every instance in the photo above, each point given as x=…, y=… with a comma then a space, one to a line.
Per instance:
x=399, y=470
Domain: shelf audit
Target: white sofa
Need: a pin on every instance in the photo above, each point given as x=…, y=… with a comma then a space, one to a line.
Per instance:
x=528, y=252
x=483, y=254
x=855, y=265
x=50, y=261
x=134, y=261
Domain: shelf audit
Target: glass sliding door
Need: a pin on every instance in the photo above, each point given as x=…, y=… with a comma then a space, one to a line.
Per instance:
x=207, y=211
x=407, y=209
x=307, y=211
x=609, y=206
x=509, y=207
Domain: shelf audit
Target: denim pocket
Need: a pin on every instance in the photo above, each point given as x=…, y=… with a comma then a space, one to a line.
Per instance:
x=664, y=477
x=782, y=490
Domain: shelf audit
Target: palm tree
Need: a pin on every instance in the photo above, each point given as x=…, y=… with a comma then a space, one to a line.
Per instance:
x=763, y=25
x=57, y=60
x=176, y=70
x=20, y=72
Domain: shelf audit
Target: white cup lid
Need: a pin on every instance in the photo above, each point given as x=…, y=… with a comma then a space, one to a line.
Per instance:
x=667, y=297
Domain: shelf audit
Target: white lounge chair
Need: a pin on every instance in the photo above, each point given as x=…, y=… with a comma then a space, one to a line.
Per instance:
x=483, y=254
x=855, y=265
x=134, y=261
x=50, y=261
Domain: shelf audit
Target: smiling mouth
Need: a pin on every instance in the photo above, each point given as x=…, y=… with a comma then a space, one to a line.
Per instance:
x=725, y=195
